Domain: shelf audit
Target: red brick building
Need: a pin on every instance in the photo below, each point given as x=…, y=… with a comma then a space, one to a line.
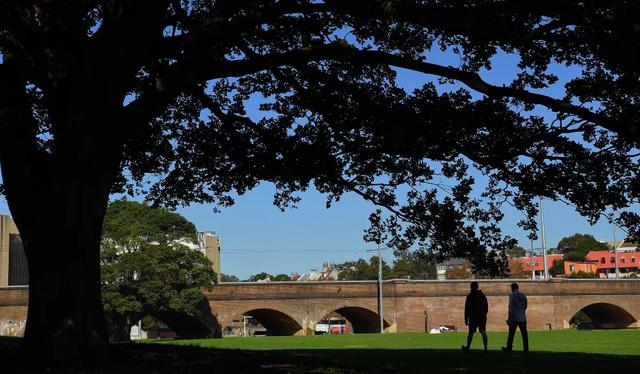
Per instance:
x=538, y=263
x=602, y=263
x=628, y=263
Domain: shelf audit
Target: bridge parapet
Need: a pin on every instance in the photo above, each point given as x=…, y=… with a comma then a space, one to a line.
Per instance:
x=401, y=288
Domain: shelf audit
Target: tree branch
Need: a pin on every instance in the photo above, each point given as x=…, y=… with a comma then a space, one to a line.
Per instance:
x=337, y=52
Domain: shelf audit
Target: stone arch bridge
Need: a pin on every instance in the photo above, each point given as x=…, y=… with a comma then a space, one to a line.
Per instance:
x=293, y=308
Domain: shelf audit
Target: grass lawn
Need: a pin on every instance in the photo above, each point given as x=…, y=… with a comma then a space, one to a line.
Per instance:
x=551, y=352
x=614, y=342
x=560, y=351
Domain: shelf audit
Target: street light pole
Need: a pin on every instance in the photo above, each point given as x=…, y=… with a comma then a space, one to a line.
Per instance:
x=380, y=306
x=244, y=320
x=544, y=241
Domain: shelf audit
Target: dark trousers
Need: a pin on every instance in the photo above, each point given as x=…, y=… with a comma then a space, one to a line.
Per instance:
x=523, y=330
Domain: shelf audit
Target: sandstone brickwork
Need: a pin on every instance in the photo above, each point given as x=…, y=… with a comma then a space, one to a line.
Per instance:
x=293, y=308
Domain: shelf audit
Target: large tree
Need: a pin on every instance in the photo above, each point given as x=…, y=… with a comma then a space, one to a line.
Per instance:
x=148, y=268
x=98, y=95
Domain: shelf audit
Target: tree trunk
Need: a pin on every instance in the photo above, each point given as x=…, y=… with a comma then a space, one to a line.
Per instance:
x=65, y=321
x=58, y=195
x=58, y=204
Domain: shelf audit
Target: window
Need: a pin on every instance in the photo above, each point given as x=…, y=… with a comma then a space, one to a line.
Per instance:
x=622, y=260
x=613, y=260
x=572, y=268
x=18, y=266
x=602, y=260
x=633, y=259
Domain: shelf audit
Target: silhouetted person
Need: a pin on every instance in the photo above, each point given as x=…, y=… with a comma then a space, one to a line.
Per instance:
x=475, y=315
x=517, y=318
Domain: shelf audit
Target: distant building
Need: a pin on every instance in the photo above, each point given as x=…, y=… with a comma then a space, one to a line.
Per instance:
x=628, y=263
x=572, y=267
x=627, y=246
x=537, y=263
x=602, y=263
x=454, y=268
x=14, y=269
x=209, y=245
x=329, y=272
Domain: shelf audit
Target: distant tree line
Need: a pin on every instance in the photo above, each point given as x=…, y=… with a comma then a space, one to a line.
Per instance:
x=225, y=278
x=415, y=265
x=406, y=265
x=422, y=265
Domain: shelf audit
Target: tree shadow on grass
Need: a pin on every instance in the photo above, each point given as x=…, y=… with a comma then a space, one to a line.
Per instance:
x=166, y=358
x=453, y=361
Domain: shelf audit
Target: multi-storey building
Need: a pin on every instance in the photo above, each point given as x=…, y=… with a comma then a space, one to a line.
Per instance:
x=209, y=245
x=602, y=263
x=14, y=269
x=536, y=263
x=628, y=263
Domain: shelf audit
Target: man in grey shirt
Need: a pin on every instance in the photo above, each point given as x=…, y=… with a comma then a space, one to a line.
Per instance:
x=517, y=318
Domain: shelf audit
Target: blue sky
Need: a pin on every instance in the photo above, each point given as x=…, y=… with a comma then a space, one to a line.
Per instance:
x=299, y=239
x=257, y=237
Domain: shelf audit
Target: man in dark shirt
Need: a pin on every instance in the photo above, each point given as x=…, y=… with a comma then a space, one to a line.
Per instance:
x=475, y=315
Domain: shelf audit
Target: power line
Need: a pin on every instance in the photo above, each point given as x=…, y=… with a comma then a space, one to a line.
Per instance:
x=288, y=250
x=292, y=251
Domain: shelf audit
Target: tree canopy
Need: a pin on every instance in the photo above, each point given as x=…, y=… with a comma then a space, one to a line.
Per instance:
x=97, y=96
x=155, y=276
x=405, y=267
x=581, y=243
x=266, y=276
x=281, y=278
x=363, y=270
x=228, y=278
x=131, y=224
x=557, y=268
x=516, y=252
x=337, y=117
x=260, y=277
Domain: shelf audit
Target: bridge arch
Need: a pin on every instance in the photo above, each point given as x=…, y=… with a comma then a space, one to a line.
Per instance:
x=189, y=327
x=362, y=320
x=607, y=316
x=276, y=322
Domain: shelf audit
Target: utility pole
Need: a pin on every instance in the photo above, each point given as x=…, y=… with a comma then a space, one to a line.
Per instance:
x=533, y=262
x=380, y=306
x=544, y=241
x=615, y=246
